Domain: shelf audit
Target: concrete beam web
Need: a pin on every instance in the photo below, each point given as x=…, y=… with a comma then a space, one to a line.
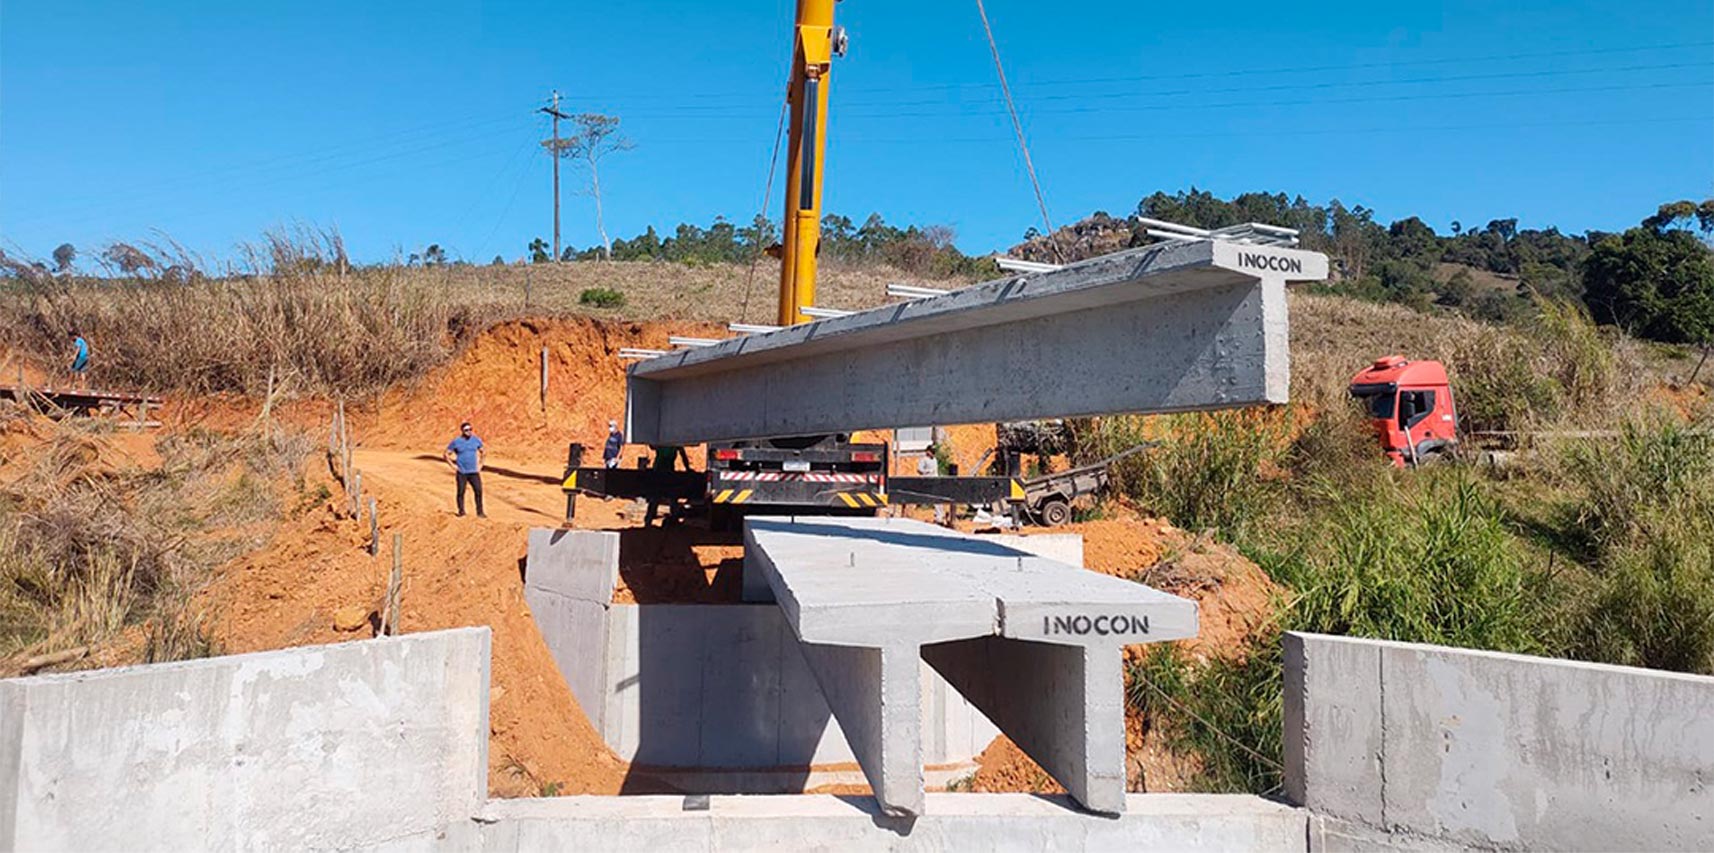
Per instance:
x=1175, y=327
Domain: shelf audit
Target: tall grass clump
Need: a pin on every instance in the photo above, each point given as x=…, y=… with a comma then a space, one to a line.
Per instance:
x=1226, y=711
x=1207, y=471
x=1644, y=506
x=1429, y=561
x=306, y=321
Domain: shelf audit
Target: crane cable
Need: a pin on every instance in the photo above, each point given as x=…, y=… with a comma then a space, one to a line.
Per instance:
x=767, y=198
x=1018, y=128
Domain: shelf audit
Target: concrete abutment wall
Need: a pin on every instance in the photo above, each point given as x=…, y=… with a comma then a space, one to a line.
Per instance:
x=1426, y=747
x=330, y=746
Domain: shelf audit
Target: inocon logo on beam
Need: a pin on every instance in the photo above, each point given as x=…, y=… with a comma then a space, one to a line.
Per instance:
x=1102, y=626
x=1273, y=263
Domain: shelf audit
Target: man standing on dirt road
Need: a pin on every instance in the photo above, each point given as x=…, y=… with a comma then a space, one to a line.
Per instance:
x=464, y=454
x=615, y=444
x=79, y=361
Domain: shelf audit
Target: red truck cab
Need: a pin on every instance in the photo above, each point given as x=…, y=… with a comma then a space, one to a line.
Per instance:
x=1410, y=405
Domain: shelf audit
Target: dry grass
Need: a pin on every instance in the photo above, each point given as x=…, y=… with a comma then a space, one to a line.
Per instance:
x=1561, y=372
x=315, y=329
x=92, y=544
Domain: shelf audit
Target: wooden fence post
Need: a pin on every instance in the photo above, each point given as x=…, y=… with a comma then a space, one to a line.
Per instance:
x=395, y=584
x=374, y=531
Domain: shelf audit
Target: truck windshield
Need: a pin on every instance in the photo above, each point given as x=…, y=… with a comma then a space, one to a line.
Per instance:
x=1381, y=405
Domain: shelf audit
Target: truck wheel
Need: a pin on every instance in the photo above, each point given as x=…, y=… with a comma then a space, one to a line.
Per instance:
x=1054, y=512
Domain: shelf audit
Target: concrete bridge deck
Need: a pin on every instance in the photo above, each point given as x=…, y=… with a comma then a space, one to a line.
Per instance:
x=1035, y=644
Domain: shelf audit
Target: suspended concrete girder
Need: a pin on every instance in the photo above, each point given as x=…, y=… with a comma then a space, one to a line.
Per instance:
x=1036, y=645
x=1175, y=327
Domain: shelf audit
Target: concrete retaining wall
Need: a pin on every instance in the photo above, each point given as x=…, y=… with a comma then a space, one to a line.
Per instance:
x=331, y=746
x=709, y=686
x=1485, y=749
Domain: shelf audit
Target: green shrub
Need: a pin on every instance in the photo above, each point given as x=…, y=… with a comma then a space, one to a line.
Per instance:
x=1645, y=511
x=1208, y=471
x=1654, y=477
x=601, y=297
x=1225, y=710
x=1431, y=564
x=1578, y=358
x=1497, y=381
x=1653, y=606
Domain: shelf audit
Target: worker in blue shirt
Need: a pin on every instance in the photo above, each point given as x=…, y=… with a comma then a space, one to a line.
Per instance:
x=79, y=360
x=464, y=454
x=615, y=444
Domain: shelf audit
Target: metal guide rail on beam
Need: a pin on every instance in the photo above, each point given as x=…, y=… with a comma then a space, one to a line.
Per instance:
x=1181, y=326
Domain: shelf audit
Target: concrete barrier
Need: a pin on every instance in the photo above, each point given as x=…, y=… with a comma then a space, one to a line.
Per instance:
x=718, y=687
x=329, y=746
x=1424, y=746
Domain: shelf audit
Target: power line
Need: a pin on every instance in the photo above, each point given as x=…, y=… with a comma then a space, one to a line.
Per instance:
x=1374, y=99
x=929, y=141
x=767, y=197
x=1018, y=127
x=133, y=200
x=705, y=96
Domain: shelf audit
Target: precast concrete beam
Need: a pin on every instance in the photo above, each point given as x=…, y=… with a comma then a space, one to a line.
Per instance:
x=1176, y=327
x=1033, y=643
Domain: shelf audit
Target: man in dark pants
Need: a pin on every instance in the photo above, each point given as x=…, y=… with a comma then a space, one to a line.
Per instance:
x=615, y=445
x=666, y=455
x=464, y=454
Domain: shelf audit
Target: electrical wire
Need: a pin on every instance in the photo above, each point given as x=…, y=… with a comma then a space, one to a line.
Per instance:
x=705, y=97
x=767, y=198
x=1018, y=127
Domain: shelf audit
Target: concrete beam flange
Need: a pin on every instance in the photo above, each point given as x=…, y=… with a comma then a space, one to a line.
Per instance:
x=1178, y=327
x=1034, y=644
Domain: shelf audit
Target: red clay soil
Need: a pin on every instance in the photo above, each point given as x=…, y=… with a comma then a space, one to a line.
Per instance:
x=458, y=572
x=495, y=384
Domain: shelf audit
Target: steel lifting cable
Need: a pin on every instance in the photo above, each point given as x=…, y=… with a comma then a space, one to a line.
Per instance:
x=1018, y=128
x=767, y=198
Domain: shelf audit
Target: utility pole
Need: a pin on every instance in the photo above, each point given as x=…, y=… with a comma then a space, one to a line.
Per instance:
x=553, y=151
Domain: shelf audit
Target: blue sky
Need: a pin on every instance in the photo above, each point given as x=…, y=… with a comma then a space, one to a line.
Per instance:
x=403, y=124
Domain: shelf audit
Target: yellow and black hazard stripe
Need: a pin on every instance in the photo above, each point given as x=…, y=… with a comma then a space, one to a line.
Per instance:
x=1017, y=490
x=863, y=499
x=570, y=483
x=733, y=496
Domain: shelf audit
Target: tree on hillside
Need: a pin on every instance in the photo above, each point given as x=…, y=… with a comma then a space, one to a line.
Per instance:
x=539, y=251
x=1657, y=280
x=593, y=137
x=64, y=255
x=129, y=259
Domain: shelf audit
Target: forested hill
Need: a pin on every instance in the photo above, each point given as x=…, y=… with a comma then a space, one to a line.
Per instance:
x=1656, y=279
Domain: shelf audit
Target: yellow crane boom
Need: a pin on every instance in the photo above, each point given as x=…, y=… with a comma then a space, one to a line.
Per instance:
x=817, y=42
